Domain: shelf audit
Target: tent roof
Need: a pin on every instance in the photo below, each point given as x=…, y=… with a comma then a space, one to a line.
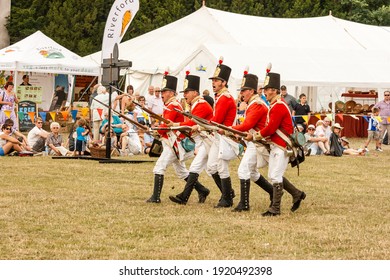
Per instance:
x=306, y=51
x=39, y=53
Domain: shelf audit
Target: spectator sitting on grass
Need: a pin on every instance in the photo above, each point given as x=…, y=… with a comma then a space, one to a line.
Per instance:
x=7, y=142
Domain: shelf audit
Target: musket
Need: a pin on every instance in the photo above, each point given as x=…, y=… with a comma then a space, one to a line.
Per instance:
x=162, y=119
x=202, y=122
x=240, y=133
x=179, y=128
x=152, y=114
x=141, y=126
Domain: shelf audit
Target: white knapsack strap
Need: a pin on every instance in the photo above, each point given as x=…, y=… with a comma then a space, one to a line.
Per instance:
x=284, y=137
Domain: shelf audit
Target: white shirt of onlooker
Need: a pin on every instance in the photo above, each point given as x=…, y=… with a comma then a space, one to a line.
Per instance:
x=35, y=134
x=102, y=97
x=149, y=96
x=157, y=104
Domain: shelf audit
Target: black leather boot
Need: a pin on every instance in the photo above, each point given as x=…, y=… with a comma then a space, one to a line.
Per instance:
x=158, y=185
x=182, y=198
x=265, y=185
x=203, y=192
x=274, y=210
x=226, y=200
x=217, y=181
x=297, y=195
x=244, y=200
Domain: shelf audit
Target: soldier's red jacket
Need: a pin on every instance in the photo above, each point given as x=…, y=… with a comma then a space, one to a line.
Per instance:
x=199, y=108
x=279, y=117
x=170, y=114
x=224, y=108
x=255, y=115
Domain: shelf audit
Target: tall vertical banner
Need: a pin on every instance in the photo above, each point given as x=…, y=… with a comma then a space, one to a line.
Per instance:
x=121, y=15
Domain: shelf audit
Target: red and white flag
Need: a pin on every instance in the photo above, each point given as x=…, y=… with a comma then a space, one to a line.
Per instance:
x=121, y=14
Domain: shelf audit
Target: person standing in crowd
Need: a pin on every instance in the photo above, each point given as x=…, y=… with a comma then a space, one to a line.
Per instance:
x=290, y=100
x=201, y=108
x=169, y=154
x=224, y=113
x=255, y=119
x=373, y=131
x=149, y=96
x=99, y=110
x=156, y=103
x=208, y=98
x=82, y=131
x=26, y=80
x=279, y=119
x=36, y=137
x=8, y=100
x=384, y=107
x=301, y=109
x=94, y=93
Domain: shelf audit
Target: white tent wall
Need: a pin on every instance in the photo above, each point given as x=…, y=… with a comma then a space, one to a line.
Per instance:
x=309, y=52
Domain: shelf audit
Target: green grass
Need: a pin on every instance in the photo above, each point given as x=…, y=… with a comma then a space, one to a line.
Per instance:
x=80, y=209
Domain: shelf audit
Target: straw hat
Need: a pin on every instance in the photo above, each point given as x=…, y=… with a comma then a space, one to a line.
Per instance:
x=337, y=125
x=344, y=139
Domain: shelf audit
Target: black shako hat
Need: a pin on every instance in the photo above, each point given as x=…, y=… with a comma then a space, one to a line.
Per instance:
x=249, y=81
x=222, y=72
x=169, y=83
x=272, y=80
x=191, y=82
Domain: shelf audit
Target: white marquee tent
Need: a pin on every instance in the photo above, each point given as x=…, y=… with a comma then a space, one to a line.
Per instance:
x=42, y=56
x=322, y=51
x=39, y=53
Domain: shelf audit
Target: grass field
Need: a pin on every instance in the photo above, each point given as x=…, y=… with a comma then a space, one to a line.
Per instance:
x=81, y=209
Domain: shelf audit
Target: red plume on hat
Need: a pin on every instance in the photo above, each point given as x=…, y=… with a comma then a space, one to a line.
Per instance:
x=269, y=67
x=187, y=71
x=220, y=61
x=166, y=72
x=246, y=70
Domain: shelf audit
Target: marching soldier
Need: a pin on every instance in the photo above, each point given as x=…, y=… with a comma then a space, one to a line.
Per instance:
x=224, y=113
x=170, y=151
x=279, y=119
x=200, y=108
x=255, y=119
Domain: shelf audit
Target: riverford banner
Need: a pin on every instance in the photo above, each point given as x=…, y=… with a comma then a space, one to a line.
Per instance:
x=121, y=14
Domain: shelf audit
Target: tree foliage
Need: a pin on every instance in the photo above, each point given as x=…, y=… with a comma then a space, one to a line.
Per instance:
x=79, y=24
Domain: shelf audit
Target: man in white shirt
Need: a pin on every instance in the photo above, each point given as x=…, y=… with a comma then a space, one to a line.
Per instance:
x=156, y=103
x=98, y=110
x=149, y=96
x=36, y=137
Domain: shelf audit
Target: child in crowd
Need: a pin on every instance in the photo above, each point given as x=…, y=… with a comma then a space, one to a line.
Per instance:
x=373, y=131
x=82, y=131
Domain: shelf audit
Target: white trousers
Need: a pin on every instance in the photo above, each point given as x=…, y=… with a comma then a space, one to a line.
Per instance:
x=214, y=164
x=248, y=165
x=278, y=161
x=199, y=162
x=96, y=128
x=167, y=158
